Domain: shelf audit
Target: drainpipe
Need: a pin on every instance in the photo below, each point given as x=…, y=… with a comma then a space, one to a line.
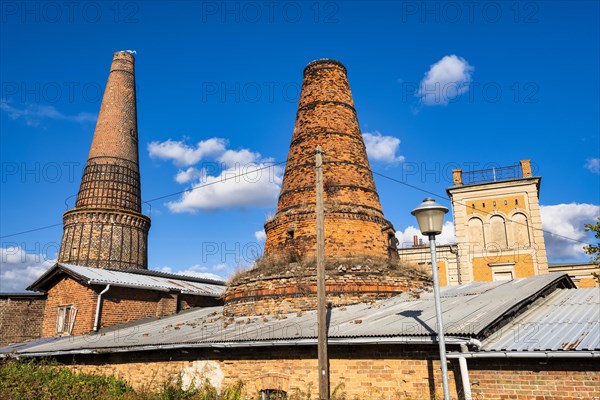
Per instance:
x=455, y=247
x=98, y=306
x=464, y=373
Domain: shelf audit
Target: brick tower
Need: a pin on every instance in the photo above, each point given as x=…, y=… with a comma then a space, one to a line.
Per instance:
x=106, y=228
x=359, y=241
x=354, y=222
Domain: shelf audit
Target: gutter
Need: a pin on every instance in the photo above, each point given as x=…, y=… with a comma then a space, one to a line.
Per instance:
x=256, y=343
x=98, y=307
x=158, y=289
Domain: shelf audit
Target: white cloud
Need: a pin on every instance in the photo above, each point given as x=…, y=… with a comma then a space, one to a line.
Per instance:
x=405, y=238
x=226, y=179
x=567, y=220
x=189, y=174
x=181, y=154
x=249, y=186
x=382, y=148
x=19, y=268
x=33, y=113
x=446, y=80
x=593, y=165
x=232, y=158
x=260, y=236
x=198, y=271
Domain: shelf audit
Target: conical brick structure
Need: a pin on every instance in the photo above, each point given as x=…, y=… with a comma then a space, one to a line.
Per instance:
x=360, y=246
x=106, y=229
x=354, y=222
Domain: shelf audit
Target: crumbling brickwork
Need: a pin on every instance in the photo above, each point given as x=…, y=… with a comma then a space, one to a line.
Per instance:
x=21, y=318
x=106, y=228
x=354, y=222
x=288, y=293
x=383, y=372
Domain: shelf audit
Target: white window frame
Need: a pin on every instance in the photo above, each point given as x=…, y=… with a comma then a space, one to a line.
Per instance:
x=504, y=268
x=65, y=319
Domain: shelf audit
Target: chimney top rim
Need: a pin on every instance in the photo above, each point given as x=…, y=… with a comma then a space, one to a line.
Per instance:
x=324, y=61
x=126, y=53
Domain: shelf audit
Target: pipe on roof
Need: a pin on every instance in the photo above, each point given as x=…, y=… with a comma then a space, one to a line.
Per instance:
x=98, y=307
x=528, y=354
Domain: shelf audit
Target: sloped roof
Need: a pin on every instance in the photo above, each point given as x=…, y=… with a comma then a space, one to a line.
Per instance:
x=151, y=280
x=469, y=311
x=565, y=320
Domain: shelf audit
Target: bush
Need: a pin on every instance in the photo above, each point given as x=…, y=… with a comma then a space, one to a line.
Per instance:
x=45, y=380
x=30, y=379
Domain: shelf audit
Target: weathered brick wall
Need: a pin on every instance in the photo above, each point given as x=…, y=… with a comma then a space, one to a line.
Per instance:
x=370, y=372
x=121, y=305
x=106, y=228
x=20, y=319
x=354, y=222
x=384, y=372
x=187, y=301
x=543, y=379
x=291, y=292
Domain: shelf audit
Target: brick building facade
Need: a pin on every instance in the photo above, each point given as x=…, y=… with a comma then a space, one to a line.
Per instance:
x=497, y=336
x=21, y=317
x=81, y=300
x=363, y=372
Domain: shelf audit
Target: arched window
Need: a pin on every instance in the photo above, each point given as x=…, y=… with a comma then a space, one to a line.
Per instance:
x=475, y=233
x=498, y=232
x=272, y=394
x=520, y=230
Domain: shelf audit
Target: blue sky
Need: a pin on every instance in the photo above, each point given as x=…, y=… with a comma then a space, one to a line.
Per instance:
x=218, y=88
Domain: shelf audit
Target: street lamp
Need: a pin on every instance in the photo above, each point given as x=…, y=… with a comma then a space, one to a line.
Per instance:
x=430, y=216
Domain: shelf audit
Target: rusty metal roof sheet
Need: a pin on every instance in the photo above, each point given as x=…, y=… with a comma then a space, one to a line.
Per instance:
x=140, y=280
x=469, y=310
x=565, y=320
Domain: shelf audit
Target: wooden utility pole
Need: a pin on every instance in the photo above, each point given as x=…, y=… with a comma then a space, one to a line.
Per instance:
x=321, y=299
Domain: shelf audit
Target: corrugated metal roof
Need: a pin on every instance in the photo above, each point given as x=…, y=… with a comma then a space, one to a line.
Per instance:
x=567, y=319
x=466, y=314
x=97, y=276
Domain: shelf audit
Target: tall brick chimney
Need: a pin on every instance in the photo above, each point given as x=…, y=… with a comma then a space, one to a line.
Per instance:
x=354, y=222
x=360, y=247
x=106, y=229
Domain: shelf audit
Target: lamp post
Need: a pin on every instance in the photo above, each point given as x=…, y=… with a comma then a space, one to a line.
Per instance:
x=430, y=216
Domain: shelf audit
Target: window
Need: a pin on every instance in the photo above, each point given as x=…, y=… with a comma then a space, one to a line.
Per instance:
x=65, y=319
x=520, y=231
x=498, y=238
x=272, y=394
x=503, y=276
x=475, y=233
x=502, y=271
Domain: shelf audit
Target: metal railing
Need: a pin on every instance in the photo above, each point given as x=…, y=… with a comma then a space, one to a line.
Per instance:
x=492, y=174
